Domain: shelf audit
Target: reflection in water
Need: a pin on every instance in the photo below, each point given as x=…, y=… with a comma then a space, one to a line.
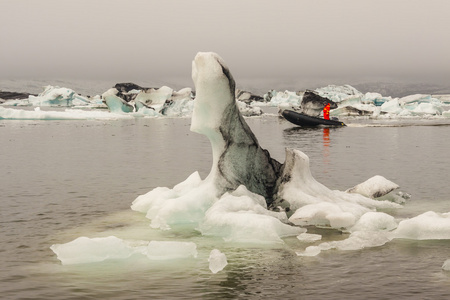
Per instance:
x=312, y=140
x=326, y=149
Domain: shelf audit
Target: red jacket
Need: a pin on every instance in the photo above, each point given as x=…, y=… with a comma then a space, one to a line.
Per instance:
x=326, y=112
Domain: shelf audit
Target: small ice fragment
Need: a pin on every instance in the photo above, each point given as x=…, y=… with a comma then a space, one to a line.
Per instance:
x=309, y=237
x=315, y=250
x=374, y=187
x=217, y=261
x=446, y=265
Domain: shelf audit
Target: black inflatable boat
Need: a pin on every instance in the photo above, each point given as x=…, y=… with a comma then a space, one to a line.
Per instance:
x=305, y=120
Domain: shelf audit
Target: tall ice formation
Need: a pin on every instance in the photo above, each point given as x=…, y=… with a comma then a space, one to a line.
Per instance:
x=238, y=158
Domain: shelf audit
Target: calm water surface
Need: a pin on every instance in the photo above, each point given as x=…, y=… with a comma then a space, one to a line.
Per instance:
x=66, y=179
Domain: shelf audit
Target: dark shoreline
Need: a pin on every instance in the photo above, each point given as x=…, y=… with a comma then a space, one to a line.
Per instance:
x=15, y=95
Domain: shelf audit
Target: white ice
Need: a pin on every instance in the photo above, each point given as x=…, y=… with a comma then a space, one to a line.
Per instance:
x=217, y=261
x=315, y=204
x=242, y=216
x=427, y=226
x=309, y=237
x=53, y=96
x=375, y=229
x=67, y=114
x=446, y=265
x=88, y=250
x=374, y=187
x=85, y=250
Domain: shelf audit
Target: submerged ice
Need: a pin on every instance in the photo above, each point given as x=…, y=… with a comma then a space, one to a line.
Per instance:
x=249, y=197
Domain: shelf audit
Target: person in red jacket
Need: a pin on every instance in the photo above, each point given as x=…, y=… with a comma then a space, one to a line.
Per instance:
x=326, y=112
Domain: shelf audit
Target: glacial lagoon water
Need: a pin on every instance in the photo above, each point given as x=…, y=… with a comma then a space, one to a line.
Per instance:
x=66, y=179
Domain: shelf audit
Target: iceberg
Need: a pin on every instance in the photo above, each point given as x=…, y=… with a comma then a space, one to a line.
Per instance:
x=249, y=197
x=244, y=183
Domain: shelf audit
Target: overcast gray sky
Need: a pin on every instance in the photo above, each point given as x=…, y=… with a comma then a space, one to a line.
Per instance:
x=261, y=41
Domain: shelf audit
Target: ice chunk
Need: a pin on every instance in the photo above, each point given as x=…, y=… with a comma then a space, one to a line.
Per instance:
x=416, y=98
x=339, y=93
x=427, y=226
x=155, y=97
x=374, y=187
x=286, y=98
x=187, y=202
x=392, y=107
x=144, y=202
x=217, y=261
x=309, y=237
x=56, y=96
x=178, y=108
x=68, y=114
x=315, y=250
x=362, y=239
x=241, y=216
x=427, y=108
x=323, y=214
x=88, y=250
x=314, y=203
x=118, y=105
x=375, y=221
x=356, y=241
x=164, y=250
x=446, y=265
x=247, y=110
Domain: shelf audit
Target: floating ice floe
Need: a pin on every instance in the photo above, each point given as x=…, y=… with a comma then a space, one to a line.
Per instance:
x=68, y=114
x=89, y=250
x=85, y=250
x=217, y=261
x=374, y=187
x=427, y=226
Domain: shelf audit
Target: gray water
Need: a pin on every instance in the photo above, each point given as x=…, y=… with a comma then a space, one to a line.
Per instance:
x=66, y=179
